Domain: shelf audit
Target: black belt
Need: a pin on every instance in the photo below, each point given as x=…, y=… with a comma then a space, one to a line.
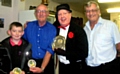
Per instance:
x=107, y=64
x=110, y=63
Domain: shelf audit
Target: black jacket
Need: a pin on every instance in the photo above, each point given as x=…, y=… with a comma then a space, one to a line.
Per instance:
x=76, y=46
x=18, y=56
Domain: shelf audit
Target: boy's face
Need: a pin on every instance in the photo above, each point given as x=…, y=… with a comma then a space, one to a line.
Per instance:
x=16, y=32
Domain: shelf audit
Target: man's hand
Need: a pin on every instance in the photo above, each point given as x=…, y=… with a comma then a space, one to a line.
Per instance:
x=36, y=70
x=25, y=25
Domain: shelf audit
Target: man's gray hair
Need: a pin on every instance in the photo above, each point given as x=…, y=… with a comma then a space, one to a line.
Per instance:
x=88, y=4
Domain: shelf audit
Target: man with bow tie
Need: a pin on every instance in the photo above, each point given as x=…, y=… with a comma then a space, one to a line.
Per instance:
x=76, y=45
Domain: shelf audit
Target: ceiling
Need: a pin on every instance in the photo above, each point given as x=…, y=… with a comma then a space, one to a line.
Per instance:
x=78, y=6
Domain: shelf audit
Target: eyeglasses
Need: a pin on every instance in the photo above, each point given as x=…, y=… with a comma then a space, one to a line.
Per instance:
x=93, y=10
x=41, y=11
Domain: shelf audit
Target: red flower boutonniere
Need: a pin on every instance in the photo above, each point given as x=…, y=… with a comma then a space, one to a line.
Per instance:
x=70, y=34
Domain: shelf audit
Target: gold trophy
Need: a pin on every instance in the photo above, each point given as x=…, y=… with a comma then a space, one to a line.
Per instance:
x=31, y=63
x=59, y=42
x=17, y=70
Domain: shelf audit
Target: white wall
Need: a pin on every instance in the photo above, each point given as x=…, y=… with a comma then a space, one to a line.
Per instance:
x=31, y=3
x=115, y=17
x=6, y=13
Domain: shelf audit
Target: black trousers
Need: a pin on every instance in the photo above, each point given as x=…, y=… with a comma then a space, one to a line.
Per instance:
x=48, y=70
x=107, y=68
x=72, y=68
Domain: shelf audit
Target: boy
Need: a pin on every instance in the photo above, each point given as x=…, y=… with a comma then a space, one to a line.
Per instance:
x=18, y=48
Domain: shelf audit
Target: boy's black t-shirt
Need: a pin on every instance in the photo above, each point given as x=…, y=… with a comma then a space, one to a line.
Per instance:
x=16, y=55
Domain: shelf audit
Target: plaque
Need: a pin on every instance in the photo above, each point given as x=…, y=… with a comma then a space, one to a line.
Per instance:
x=31, y=63
x=59, y=42
x=17, y=70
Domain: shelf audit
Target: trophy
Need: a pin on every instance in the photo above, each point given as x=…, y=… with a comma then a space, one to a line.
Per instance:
x=59, y=42
x=17, y=70
x=31, y=63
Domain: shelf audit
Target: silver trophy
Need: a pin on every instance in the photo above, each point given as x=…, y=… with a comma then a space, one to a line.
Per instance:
x=59, y=42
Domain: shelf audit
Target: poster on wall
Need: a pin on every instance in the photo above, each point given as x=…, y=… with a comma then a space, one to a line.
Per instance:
x=1, y=22
x=51, y=19
x=6, y=3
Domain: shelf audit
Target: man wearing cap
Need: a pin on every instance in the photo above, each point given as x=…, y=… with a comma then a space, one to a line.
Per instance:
x=76, y=45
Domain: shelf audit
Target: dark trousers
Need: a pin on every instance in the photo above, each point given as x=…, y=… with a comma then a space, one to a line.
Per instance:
x=73, y=68
x=107, y=68
x=49, y=68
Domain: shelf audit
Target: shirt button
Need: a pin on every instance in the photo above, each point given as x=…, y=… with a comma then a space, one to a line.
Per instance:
x=38, y=35
x=38, y=47
x=39, y=28
x=39, y=53
x=38, y=41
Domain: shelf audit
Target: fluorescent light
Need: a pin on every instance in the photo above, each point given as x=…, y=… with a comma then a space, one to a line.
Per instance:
x=113, y=10
x=105, y=1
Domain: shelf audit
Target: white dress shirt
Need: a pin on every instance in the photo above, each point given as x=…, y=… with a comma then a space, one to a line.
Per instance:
x=102, y=41
x=63, y=33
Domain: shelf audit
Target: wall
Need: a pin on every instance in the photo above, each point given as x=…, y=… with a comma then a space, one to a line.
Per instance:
x=115, y=17
x=6, y=14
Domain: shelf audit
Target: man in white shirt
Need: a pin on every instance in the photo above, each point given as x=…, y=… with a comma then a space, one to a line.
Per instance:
x=104, y=42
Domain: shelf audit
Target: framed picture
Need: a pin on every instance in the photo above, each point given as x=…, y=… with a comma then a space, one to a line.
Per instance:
x=6, y=3
x=1, y=22
x=51, y=19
